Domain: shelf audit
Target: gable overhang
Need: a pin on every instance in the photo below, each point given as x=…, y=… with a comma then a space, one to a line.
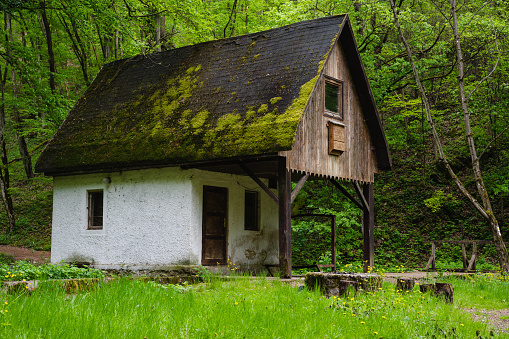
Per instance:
x=366, y=99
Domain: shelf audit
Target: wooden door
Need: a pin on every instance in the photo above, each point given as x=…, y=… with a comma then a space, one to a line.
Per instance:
x=215, y=222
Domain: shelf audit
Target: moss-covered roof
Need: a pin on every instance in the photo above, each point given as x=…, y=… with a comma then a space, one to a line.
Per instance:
x=226, y=98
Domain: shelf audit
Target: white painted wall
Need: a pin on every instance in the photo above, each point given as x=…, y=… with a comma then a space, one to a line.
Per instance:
x=153, y=219
x=247, y=249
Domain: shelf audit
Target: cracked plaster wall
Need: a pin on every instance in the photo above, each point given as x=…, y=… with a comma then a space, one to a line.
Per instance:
x=153, y=219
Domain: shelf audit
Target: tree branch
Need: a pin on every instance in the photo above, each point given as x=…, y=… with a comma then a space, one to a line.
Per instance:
x=489, y=74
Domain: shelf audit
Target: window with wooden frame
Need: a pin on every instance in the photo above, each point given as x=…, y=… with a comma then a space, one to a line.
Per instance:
x=333, y=97
x=251, y=211
x=95, y=206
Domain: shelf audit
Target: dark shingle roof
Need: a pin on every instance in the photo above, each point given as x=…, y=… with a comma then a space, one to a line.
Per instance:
x=226, y=98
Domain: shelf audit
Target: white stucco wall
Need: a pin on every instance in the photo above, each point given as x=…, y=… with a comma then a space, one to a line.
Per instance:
x=247, y=249
x=153, y=219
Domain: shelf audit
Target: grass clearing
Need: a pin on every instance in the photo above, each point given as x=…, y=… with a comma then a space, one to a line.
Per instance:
x=241, y=307
x=482, y=291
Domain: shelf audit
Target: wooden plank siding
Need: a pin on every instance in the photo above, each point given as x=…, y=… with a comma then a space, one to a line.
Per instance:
x=310, y=152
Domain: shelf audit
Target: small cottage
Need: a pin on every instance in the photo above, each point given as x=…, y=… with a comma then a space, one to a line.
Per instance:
x=186, y=157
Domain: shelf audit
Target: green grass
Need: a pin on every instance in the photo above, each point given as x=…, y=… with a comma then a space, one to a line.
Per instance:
x=22, y=270
x=483, y=291
x=241, y=307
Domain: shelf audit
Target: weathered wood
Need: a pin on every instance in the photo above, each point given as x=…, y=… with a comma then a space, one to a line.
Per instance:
x=405, y=284
x=328, y=282
x=464, y=256
x=299, y=186
x=461, y=241
x=467, y=265
x=473, y=260
x=333, y=240
x=343, y=289
x=445, y=291
x=431, y=260
x=427, y=288
x=258, y=181
x=336, y=136
x=285, y=232
x=433, y=249
x=360, y=194
x=368, y=224
x=310, y=152
x=214, y=225
x=345, y=193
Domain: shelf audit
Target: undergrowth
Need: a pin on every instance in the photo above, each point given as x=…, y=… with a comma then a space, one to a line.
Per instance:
x=22, y=270
x=240, y=307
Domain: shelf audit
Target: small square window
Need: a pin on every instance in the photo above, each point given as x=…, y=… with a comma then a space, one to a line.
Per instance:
x=333, y=98
x=95, y=209
x=251, y=211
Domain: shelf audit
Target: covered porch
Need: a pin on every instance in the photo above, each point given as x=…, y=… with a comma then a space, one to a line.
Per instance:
x=275, y=168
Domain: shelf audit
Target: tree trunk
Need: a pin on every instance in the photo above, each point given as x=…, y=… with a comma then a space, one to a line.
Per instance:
x=481, y=188
x=486, y=213
x=116, y=44
x=23, y=150
x=49, y=43
x=4, y=170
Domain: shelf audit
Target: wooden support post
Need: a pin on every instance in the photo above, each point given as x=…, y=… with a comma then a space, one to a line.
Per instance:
x=368, y=224
x=333, y=230
x=285, y=222
x=433, y=257
x=258, y=181
x=431, y=260
x=364, y=202
x=345, y=192
x=299, y=186
x=471, y=264
x=464, y=256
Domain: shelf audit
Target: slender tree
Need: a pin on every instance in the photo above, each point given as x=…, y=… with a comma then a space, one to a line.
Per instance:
x=4, y=170
x=485, y=210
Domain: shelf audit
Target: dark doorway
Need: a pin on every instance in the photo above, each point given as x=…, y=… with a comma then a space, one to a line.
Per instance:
x=215, y=225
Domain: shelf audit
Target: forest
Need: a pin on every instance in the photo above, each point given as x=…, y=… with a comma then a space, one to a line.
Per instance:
x=449, y=147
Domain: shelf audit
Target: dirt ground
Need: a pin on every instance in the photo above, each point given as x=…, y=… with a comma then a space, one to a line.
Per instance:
x=21, y=253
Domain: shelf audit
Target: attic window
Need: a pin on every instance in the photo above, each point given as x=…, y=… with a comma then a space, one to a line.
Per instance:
x=333, y=98
x=95, y=209
x=251, y=211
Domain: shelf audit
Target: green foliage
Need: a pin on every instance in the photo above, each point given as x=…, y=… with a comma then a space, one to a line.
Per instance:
x=440, y=200
x=311, y=236
x=24, y=270
x=409, y=206
x=6, y=258
x=249, y=307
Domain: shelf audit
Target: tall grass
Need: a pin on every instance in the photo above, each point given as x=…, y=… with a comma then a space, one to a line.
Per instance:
x=236, y=308
x=481, y=291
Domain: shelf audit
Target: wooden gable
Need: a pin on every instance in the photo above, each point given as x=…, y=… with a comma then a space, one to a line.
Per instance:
x=340, y=146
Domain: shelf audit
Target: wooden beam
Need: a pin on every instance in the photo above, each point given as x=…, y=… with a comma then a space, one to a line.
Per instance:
x=258, y=181
x=333, y=230
x=471, y=264
x=431, y=261
x=461, y=241
x=285, y=219
x=464, y=256
x=346, y=194
x=224, y=162
x=299, y=186
x=368, y=224
x=364, y=202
